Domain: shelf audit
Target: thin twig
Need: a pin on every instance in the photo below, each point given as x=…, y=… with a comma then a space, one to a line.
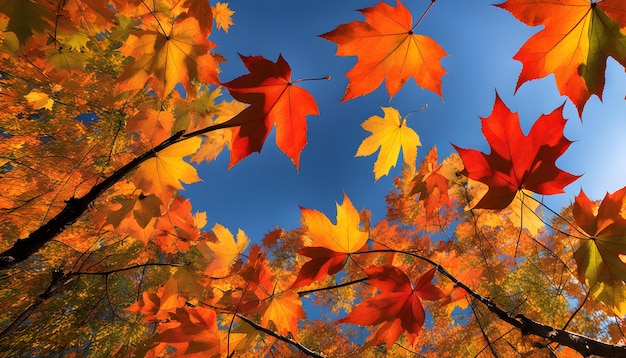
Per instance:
x=304, y=293
x=288, y=340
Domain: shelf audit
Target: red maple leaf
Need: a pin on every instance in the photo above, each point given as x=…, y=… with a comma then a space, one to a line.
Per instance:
x=517, y=161
x=273, y=98
x=397, y=307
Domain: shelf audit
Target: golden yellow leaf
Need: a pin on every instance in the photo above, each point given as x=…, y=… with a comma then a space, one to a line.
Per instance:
x=284, y=310
x=221, y=255
x=524, y=212
x=391, y=134
x=223, y=16
x=39, y=100
x=343, y=237
x=163, y=173
x=164, y=59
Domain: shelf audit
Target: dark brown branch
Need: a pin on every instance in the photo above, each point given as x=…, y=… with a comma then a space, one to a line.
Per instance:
x=304, y=293
x=582, y=344
x=106, y=273
x=75, y=207
x=258, y=327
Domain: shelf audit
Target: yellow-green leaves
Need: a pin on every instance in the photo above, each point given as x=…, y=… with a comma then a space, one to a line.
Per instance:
x=601, y=258
x=391, y=134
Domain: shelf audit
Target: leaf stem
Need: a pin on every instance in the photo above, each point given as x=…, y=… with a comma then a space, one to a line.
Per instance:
x=327, y=78
x=432, y=2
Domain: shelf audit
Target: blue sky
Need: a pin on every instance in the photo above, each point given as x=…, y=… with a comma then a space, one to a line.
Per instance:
x=265, y=190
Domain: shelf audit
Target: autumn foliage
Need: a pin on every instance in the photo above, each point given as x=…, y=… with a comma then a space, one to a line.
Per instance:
x=109, y=106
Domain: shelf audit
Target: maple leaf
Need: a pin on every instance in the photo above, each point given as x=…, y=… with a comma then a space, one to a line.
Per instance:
x=158, y=306
x=517, y=161
x=283, y=309
x=143, y=208
x=397, y=306
x=574, y=45
x=391, y=134
x=215, y=141
x=39, y=100
x=331, y=244
x=273, y=98
x=430, y=184
x=600, y=258
x=387, y=47
x=177, y=227
x=163, y=173
x=191, y=330
x=523, y=213
x=221, y=254
x=153, y=125
x=164, y=59
x=222, y=15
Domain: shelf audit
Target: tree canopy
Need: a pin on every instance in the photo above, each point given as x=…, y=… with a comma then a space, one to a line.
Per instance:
x=110, y=107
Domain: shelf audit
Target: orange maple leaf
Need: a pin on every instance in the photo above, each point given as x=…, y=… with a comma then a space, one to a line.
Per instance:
x=430, y=184
x=154, y=126
x=397, y=307
x=387, y=47
x=158, y=305
x=273, y=98
x=331, y=244
x=192, y=331
x=164, y=59
x=136, y=216
x=577, y=39
x=264, y=295
x=517, y=161
x=177, y=227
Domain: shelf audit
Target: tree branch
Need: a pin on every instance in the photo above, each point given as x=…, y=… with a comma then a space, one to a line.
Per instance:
x=25, y=247
x=304, y=293
x=582, y=344
x=258, y=327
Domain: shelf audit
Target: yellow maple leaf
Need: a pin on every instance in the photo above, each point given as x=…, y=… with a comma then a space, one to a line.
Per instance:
x=164, y=59
x=391, y=134
x=215, y=141
x=223, y=16
x=162, y=174
x=524, y=212
x=284, y=310
x=221, y=254
x=344, y=237
x=39, y=100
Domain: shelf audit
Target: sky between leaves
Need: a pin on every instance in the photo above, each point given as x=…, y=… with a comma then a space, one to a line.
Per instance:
x=265, y=190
